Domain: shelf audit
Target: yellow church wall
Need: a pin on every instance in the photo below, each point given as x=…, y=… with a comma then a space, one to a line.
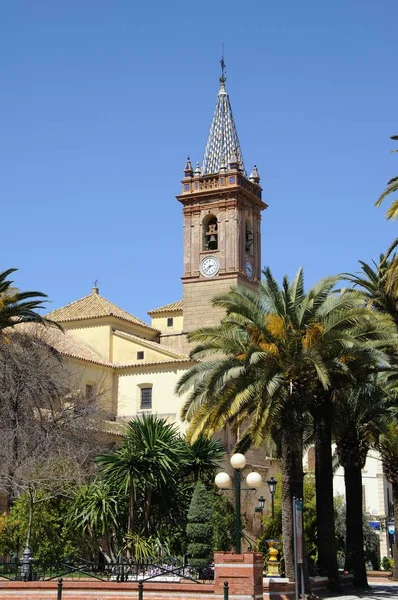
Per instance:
x=124, y=351
x=173, y=341
x=100, y=377
x=171, y=337
x=163, y=380
x=160, y=322
x=96, y=336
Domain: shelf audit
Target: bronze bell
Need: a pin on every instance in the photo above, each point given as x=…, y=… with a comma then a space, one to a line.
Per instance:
x=212, y=236
x=249, y=240
x=212, y=242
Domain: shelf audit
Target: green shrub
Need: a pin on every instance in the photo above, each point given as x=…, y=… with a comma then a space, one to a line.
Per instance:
x=223, y=520
x=199, y=528
x=52, y=538
x=387, y=564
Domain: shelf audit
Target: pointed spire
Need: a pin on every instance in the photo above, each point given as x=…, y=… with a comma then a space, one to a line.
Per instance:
x=188, y=170
x=223, y=138
x=254, y=176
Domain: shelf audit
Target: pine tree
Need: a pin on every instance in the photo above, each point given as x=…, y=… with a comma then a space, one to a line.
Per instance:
x=199, y=528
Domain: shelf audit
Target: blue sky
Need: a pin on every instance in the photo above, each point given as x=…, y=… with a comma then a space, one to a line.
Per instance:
x=101, y=102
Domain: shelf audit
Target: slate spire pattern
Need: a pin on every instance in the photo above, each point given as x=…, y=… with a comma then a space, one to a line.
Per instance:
x=223, y=141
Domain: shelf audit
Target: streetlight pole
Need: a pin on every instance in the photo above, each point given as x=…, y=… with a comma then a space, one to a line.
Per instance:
x=238, y=532
x=223, y=481
x=272, y=488
x=260, y=509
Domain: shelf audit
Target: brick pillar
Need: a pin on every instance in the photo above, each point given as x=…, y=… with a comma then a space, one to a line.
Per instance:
x=244, y=573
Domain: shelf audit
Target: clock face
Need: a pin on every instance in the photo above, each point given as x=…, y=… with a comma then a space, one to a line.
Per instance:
x=209, y=266
x=249, y=269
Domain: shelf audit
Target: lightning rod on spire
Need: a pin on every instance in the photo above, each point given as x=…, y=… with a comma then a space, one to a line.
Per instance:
x=222, y=63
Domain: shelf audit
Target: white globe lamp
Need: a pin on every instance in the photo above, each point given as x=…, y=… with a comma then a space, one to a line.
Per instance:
x=238, y=461
x=223, y=481
x=254, y=480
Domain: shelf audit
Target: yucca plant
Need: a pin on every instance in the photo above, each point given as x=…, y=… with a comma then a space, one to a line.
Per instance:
x=148, y=456
x=100, y=511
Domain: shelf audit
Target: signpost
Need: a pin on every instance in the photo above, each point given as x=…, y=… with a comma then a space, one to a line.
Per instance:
x=298, y=546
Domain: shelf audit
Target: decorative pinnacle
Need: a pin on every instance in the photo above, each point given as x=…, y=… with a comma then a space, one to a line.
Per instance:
x=198, y=171
x=188, y=170
x=254, y=176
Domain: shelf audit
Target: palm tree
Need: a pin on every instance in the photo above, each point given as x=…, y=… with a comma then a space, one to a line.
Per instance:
x=19, y=307
x=146, y=459
x=388, y=446
x=392, y=187
x=359, y=417
x=272, y=353
x=376, y=281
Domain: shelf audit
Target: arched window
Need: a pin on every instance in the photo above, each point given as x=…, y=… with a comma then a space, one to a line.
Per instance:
x=210, y=233
x=249, y=237
x=145, y=396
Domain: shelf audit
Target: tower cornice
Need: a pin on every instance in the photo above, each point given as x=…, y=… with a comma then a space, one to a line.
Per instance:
x=207, y=187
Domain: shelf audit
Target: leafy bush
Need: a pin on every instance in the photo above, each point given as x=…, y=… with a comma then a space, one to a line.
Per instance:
x=223, y=521
x=52, y=538
x=387, y=564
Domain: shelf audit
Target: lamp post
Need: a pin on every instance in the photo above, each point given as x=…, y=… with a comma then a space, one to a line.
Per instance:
x=26, y=566
x=223, y=481
x=260, y=509
x=272, y=488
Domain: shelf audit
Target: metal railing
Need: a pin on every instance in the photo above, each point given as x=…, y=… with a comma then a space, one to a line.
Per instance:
x=170, y=569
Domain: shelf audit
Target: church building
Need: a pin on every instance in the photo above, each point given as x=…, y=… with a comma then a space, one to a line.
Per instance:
x=133, y=366
x=136, y=365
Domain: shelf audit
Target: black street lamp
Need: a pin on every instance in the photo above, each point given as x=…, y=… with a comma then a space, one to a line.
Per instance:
x=272, y=488
x=260, y=509
x=223, y=481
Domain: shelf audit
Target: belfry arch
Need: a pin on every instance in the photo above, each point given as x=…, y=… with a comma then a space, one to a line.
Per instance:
x=210, y=232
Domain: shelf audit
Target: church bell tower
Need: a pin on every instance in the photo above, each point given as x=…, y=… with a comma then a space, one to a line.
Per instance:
x=222, y=214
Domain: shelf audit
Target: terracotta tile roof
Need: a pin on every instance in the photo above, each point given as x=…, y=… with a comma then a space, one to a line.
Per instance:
x=92, y=307
x=160, y=363
x=114, y=428
x=64, y=342
x=167, y=307
x=159, y=347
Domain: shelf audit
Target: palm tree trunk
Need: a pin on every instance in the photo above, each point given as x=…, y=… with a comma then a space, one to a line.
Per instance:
x=395, y=546
x=327, y=555
x=292, y=486
x=148, y=500
x=355, y=556
x=131, y=506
